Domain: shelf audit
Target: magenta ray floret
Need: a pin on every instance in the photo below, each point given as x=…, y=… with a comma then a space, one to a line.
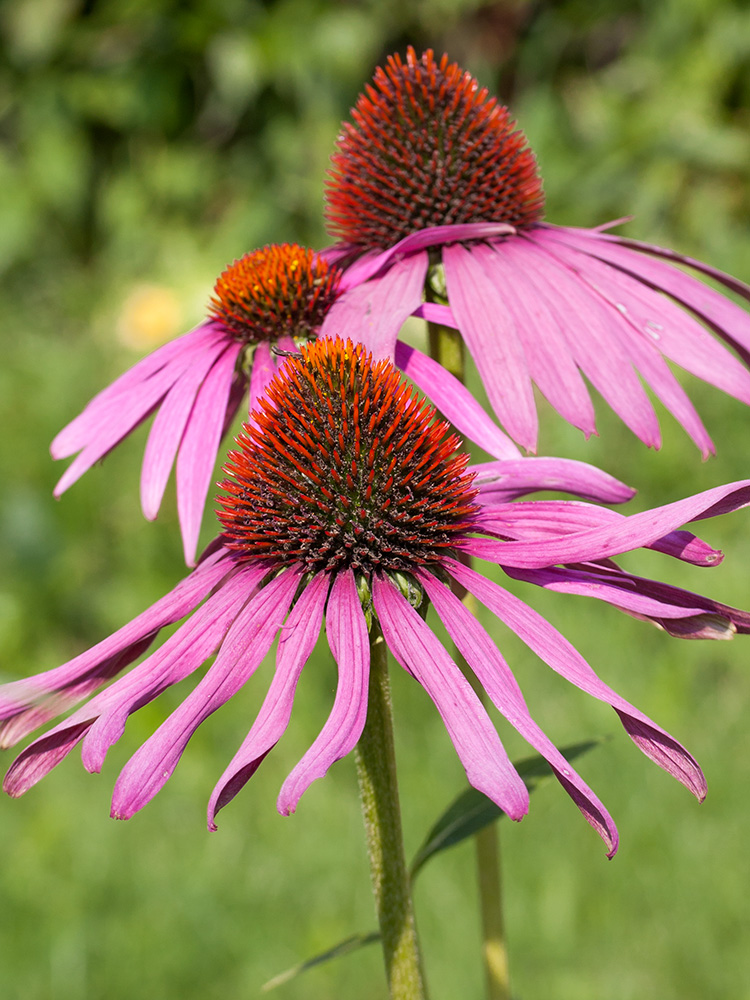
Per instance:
x=367, y=453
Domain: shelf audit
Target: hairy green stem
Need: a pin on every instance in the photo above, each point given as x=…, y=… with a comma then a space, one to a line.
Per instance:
x=376, y=770
x=494, y=948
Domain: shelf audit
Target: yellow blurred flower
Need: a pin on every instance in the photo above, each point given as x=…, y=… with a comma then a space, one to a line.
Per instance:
x=150, y=315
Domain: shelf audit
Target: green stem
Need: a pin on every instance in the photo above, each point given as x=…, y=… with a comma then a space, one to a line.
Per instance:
x=447, y=347
x=494, y=948
x=376, y=770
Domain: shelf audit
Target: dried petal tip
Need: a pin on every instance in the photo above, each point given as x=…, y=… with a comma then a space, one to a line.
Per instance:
x=345, y=467
x=428, y=147
x=281, y=290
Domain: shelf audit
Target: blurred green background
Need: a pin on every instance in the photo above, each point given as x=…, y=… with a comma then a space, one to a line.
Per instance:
x=146, y=143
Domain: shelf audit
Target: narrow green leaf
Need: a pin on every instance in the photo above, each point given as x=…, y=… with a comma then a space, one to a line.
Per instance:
x=472, y=810
x=345, y=947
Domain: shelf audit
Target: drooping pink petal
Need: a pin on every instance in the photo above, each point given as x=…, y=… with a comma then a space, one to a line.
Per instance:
x=648, y=360
x=182, y=653
x=548, y=356
x=454, y=401
x=370, y=264
x=555, y=650
x=187, y=649
x=349, y=641
x=626, y=534
x=173, y=355
x=28, y=703
x=681, y=613
x=592, y=339
x=246, y=643
x=38, y=759
x=669, y=328
x=115, y=421
x=540, y=519
x=653, y=325
x=492, y=341
x=374, y=312
x=469, y=727
x=506, y=480
x=296, y=643
x=497, y=679
x=200, y=444
x=726, y=318
x=730, y=282
x=167, y=430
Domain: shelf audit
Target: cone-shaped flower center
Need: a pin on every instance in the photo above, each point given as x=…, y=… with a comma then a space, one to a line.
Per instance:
x=345, y=467
x=283, y=290
x=428, y=147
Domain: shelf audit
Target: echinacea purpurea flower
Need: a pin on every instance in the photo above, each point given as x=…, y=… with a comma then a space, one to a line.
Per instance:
x=273, y=298
x=432, y=170
x=346, y=501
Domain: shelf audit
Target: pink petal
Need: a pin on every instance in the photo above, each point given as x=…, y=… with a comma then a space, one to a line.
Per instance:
x=642, y=598
x=113, y=422
x=200, y=444
x=374, y=312
x=473, y=735
x=187, y=649
x=548, y=644
x=669, y=327
x=508, y=479
x=592, y=339
x=349, y=641
x=496, y=677
x=264, y=369
x=246, y=643
x=552, y=518
x=27, y=700
x=492, y=340
x=296, y=643
x=181, y=654
x=173, y=355
x=652, y=325
x=370, y=264
x=626, y=534
x=550, y=361
x=38, y=759
x=166, y=433
x=434, y=312
x=454, y=401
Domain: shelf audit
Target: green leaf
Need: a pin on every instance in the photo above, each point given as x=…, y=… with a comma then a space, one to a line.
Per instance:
x=472, y=810
x=353, y=943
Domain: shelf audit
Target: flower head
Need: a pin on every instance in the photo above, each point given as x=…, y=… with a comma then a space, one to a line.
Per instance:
x=346, y=470
x=428, y=147
x=270, y=299
x=279, y=291
x=431, y=175
x=346, y=502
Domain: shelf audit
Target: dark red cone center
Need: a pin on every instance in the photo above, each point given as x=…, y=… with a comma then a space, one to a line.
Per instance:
x=345, y=467
x=281, y=290
x=427, y=147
